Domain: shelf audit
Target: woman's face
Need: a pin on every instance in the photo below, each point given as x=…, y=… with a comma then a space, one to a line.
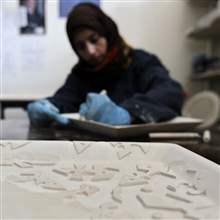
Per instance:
x=90, y=46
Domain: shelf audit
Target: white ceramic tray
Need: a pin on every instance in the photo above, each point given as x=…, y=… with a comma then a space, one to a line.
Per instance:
x=177, y=124
x=93, y=180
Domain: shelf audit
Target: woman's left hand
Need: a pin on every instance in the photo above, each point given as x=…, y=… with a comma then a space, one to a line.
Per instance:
x=101, y=108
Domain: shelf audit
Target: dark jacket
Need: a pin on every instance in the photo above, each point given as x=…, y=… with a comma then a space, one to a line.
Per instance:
x=144, y=89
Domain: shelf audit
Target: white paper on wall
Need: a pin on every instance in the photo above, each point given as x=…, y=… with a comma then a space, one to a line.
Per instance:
x=23, y=57
x=9, y=38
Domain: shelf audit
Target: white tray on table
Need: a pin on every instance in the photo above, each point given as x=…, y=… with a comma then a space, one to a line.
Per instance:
x=175, y=125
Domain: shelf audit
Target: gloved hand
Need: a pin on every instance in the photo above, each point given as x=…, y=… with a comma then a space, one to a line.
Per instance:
x=100, y=108
x=42, y=112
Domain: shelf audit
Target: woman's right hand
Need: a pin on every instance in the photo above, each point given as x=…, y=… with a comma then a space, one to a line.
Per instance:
x=43, y=112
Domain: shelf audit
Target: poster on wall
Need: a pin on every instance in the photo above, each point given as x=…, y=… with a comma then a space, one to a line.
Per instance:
x=66, y=5
x=32, y=16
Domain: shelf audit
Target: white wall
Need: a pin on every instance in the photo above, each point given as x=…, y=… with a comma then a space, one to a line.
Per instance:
x=157, y=26
x=45, y=70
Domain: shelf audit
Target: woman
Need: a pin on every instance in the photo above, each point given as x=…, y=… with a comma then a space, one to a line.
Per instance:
x=139, y=89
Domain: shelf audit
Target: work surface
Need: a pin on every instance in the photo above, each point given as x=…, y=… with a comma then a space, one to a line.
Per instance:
x=20, y=130
x=92, y=180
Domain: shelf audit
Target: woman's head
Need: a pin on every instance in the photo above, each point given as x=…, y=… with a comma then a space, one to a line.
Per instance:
x=90, y=46
x=91, y=32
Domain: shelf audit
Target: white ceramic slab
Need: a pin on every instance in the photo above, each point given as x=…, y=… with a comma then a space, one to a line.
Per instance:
x=177, y=124
x=93, y=180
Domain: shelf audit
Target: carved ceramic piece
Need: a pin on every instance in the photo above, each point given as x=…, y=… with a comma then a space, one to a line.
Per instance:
x=106, y=180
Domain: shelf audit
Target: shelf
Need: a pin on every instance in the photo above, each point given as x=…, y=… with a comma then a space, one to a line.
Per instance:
x=204, y=3
x=207, y=27
x=207, y=75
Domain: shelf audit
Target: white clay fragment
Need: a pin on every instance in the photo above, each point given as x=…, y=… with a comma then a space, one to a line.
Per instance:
x=27, y=174
x=171, y=188
x=123, y=154
x=38, y=179
x=196, y=192
x=191, y=172
x=142, y=169
x=86, y=171
x=116, y=194
x=163, y=174
x=81, y=147
x=132, y=181
x=112, y=144
x=179, y=198
x=14, y=147
x=97, y=168
x=117, y=144
x=88, y=190
x=187, y=185
x=41, y=163
x=120, y=145
x=53, y=186
x=79, y=168
x=61, y=172
x=22, y=164
x=140, y=147
x=146, y=205
x=102, y=176
x=112, y=169
x=204, y=207
x=146, y=189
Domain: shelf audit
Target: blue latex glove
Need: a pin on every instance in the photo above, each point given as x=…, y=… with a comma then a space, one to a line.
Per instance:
x=100, y=108
x=42, y=112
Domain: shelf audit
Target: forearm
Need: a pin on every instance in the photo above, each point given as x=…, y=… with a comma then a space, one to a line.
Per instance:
x=155, y=106
x=148, y=112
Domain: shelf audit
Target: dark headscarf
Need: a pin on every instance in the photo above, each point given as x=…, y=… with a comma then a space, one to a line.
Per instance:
x=87, y=15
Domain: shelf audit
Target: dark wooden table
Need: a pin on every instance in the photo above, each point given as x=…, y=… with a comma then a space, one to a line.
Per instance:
x=15, y=101
x=14, y=129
